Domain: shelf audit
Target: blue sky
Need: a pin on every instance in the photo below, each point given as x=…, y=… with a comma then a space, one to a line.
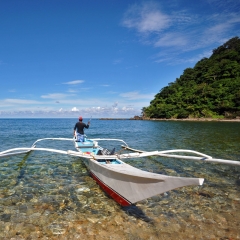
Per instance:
x=102, y=58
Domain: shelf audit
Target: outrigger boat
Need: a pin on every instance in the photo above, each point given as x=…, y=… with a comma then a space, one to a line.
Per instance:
x=124, y=183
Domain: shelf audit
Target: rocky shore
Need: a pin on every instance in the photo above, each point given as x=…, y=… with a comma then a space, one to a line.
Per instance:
x=196, y=119
x=174, y=119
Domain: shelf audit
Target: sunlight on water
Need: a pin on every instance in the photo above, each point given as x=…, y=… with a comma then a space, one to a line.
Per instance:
x=51, y=196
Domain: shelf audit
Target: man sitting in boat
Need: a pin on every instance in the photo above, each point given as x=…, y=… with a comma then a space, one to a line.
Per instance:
x=78, y=130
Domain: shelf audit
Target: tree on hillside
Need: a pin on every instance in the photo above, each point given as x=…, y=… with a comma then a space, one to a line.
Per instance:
x=210, y=89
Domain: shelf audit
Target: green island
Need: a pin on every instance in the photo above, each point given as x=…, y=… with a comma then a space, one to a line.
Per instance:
x=209, y=90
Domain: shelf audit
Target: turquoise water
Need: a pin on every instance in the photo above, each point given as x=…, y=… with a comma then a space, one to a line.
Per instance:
x=51, y=196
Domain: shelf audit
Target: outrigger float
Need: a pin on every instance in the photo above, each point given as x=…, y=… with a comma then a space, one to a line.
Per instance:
x=124, y=183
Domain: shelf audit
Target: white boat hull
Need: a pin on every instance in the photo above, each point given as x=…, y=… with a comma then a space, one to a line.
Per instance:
x=133, y=184
x=124, y=183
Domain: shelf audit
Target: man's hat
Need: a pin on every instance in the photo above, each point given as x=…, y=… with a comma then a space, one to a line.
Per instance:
x=80, y=118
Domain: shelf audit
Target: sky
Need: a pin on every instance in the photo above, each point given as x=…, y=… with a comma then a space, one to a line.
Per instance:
x=102, y=58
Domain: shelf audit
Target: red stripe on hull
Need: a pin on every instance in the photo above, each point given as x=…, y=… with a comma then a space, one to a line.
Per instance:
x=118, y=198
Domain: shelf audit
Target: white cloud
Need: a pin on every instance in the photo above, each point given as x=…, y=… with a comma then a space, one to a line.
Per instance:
x=55, y=96
x=181, y=31
x=74, y=82
x=20, y=101
x=173, y=60
x=115, y=104
x=84, y=89
x=74, y=109
x=112, y=92
x=117, y=61
x=72, y=90
x=117, y=107
x=94, y=112
x=126, y=109
x=171, y=39
x=136, y=95
x=12, y=90
x=146, y=18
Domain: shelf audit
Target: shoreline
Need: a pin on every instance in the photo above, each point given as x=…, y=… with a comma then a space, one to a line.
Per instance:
x=196, y=120
x=183, y=119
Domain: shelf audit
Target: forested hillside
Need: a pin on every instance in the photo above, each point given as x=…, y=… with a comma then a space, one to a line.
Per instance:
x=210, y=89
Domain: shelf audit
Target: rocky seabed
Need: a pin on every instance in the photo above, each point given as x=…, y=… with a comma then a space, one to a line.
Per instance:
x=64, y=203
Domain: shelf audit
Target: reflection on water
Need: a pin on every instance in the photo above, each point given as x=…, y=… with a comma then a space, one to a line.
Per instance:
x=52, y=196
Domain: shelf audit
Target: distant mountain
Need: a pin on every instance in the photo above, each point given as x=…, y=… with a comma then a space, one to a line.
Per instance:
x=211, y=89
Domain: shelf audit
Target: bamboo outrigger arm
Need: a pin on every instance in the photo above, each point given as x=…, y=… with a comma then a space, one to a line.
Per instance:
x=203, y=157
x=137, y=153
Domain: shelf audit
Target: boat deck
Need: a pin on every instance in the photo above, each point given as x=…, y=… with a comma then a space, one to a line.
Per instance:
x=109, y=161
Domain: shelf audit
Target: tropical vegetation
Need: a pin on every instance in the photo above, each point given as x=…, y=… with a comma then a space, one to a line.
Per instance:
x=211, y=89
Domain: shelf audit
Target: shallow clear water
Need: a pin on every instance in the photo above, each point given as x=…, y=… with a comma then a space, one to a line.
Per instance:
x=51, y=196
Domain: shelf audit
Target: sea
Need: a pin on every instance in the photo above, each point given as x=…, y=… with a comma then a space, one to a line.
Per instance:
x=46, y=195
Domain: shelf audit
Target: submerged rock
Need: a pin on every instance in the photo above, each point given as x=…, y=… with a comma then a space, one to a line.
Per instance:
x=5, y=217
